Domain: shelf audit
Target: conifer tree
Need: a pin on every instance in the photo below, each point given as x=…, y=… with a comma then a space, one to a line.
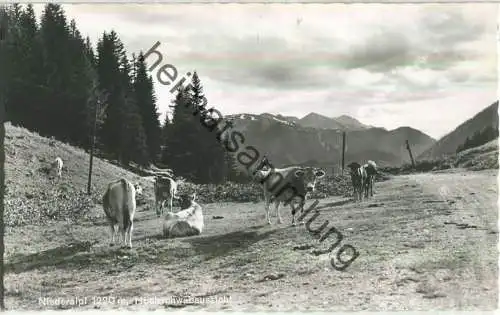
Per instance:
x=146, y=101
x=211, y=153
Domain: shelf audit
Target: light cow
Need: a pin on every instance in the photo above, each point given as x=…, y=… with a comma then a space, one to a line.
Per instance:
x=165, y=190
x=187, y=222
x=371, y=171
x=56, y=167
x=290, y=186
x=358, y=179
x=119, y=205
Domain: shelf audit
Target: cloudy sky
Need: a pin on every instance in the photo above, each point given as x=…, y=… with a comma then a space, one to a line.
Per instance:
x=426, y=66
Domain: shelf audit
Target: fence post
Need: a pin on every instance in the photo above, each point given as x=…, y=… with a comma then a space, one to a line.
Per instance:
x=101, y=98
x=343, y=151
x=411, y=155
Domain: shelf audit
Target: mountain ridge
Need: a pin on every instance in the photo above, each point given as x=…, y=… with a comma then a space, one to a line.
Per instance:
x=448, y=144
x=287, y=141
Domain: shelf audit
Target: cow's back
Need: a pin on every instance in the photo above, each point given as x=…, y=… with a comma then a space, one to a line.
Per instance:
x=119, y=201
x=279, y=186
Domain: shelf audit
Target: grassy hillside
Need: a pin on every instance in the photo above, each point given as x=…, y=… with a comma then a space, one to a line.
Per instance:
x=449, y=143
x=475, y=159
x=31, y=196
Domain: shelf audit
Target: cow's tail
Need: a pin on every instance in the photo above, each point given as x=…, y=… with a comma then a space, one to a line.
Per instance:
x=127, y=222
x=106, y=205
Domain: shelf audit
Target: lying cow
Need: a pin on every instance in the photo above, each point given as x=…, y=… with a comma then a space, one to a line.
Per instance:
x=165, y=190
x=371, y=171
x=358, y=179
x=289, y=186
x=119, y=206
x=56, y=168
x=187, y=222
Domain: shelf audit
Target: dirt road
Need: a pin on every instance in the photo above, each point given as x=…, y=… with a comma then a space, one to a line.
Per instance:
x=425, y=241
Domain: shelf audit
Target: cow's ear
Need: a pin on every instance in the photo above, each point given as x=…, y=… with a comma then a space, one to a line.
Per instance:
x=319, y=173
x=299, y=173
x=193, y=196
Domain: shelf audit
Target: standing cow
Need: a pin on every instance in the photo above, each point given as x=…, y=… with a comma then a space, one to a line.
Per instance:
x=358, y=179
x=165, y=190
x=119, y=205
x=56, y=168
x=371, y=171
x=290, y=186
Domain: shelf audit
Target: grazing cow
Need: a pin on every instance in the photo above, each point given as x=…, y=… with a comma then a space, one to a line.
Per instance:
x=289, y=186
x=56, y=167
x=358, y=178
x=187, y=222
x=165, y=190
x=371, y=172
x=119, y=205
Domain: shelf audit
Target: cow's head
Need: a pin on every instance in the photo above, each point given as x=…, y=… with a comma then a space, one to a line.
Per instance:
x=138, y=189
x=186, y=200
x=262, y=169
x=354, y=166
x=309, y=176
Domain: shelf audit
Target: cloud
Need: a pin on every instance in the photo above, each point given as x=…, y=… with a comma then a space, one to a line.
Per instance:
x=330, y=58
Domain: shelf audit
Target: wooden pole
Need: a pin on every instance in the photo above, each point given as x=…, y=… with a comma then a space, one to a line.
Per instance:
x=411, y=155
x=89, y=183
x=98, y=113
x=343, y=151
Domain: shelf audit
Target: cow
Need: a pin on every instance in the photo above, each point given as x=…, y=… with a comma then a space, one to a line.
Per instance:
x=290, y=186
x=165, y=190
x=187, y=222
x=56, y=167
x=358, y=178
x=119, y=206
x=371, y=171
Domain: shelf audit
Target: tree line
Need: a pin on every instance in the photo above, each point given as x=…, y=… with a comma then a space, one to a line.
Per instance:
x=479, y=137
x=53, y=78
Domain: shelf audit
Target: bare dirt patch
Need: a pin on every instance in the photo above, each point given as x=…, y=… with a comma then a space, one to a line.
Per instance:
x=411, y=258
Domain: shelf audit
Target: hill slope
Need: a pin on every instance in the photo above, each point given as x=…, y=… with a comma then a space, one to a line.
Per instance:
x=31, y=196
x=449, y=143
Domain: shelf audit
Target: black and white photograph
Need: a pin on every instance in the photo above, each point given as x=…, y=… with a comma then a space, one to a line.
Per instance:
x=249, y=157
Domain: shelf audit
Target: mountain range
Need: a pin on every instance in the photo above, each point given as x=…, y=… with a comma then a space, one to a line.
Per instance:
x=316, y=139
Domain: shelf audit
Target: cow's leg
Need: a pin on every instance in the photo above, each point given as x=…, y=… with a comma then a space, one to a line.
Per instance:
x=112, y=230
x=130, y=229
x=122, y=230
x=277, y=206
x=294, y=210
x=268, y=203
x=171, y=203
x=161, y=207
